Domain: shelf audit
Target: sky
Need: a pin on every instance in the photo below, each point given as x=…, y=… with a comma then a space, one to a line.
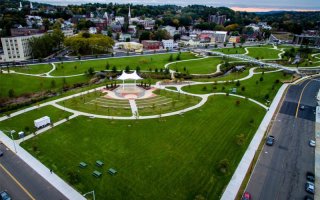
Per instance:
x=241, y=5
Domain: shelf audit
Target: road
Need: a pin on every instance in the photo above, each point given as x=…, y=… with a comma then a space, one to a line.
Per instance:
x=281, y=169
x=21, y=181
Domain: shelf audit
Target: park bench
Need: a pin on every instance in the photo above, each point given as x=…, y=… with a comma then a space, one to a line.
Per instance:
x=112, y=171
x=96, y=174
x=99, y=163
x=83, y=165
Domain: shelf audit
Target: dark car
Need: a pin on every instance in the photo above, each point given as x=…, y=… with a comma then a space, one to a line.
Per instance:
x=246, y=196
x=1, y=153
x=270, y=140
x=310, y=176
x=4, y=196
x=308, y=197
x=309, y=187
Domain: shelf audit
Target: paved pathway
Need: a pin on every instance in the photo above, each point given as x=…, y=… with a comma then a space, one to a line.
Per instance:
x=134, y=107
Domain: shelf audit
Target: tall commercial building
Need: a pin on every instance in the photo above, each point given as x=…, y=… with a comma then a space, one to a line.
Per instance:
x=218, y=19
x=17, y=48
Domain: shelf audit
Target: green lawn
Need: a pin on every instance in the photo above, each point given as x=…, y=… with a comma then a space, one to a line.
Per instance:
x=94, y=103
x=236, y=50
x=263, y=53
x=169, y=102
x=170, y=158
x=22, y=84
x=33, y=69
x=253, y=87
x=146, y=62
x=20, y=122
x=202, y=66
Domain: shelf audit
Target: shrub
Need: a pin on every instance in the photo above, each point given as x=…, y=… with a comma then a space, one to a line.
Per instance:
x=223, y=166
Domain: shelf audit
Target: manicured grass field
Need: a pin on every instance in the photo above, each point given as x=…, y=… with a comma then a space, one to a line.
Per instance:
x=236, y=50
x=146, y=62
x=253, y=88
x=22, y=84
x=263, y=53
x=201, y=66
x=169, y=158
x=165, y=102
x=95, y=103
x=20, y=122
x=33, y=69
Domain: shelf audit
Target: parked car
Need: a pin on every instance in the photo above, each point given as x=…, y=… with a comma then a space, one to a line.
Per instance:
x=308, y=197
x=270, y=140
x=1, y=153
x=312, y=143
x=310, y=177
x=4, y=196
x=246, y=196
x=309, y=186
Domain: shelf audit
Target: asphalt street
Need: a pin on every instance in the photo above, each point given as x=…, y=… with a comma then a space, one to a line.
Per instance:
x=280, y=172
x=21, y=181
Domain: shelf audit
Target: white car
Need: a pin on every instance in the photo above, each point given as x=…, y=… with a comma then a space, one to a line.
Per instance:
x=312, y=143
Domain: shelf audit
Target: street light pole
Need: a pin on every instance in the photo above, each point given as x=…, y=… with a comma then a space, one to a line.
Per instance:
x=92, y=192
x=14, y=144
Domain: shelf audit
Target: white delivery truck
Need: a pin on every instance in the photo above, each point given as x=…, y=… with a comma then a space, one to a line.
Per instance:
x=42, y=122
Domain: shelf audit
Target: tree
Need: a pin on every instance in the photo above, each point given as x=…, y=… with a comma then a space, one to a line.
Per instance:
x=223, y=166
x=238, y=83
x=171, y=58
x=127, y=69
x=145, y=35
x=107, y=66
x=91, y=71
x=58, y=37
x=138, y=69
x=178, y=57
x=114, y=69
x=11, y=93
x=53, y=84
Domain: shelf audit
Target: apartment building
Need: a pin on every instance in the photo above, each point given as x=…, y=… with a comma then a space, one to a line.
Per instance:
x=17, y=48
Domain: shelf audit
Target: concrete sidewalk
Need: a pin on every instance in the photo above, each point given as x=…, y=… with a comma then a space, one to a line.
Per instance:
x=42, y=170
x=234, y=185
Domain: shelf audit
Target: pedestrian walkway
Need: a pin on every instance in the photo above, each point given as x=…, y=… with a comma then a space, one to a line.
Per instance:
x=317, y=155
x=134, y=108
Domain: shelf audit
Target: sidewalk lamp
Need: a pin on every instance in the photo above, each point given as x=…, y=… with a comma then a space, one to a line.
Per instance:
x=14, y=144
x=92, y=192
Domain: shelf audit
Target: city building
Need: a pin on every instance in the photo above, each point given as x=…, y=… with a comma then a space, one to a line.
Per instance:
x=129, y=46
x=234, y=39
x=92, y=30
x=68, y=32
x=151, y=44
x=171, y=30
x=220, y=36
x=168, y=44
x=119, y=19
x=124, y=37
x=217, y=19
x=25, y=31
x=17, y=48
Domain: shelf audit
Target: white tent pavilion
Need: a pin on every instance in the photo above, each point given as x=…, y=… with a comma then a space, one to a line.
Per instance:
x=125, y=76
